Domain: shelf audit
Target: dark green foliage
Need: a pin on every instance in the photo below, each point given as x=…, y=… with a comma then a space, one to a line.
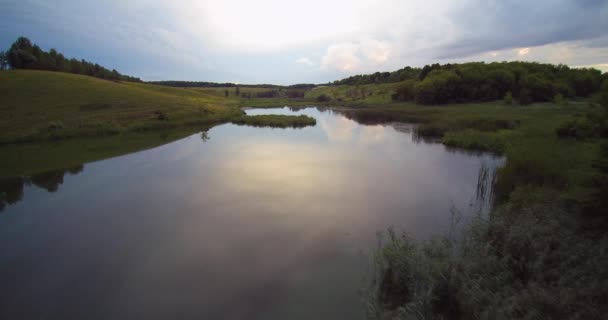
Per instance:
x=427, y=69
x=598, y=206
x=508, y=99
x=559, y=99
x=407, y=73
x=267, y=94
x=593, y=125
x=527, y=261
x=295, y=94
x=439, y=87
x=161, y=116
x=405, y=92
x=528, y=82
x=524, y=98
x=24, y=55
x=323, y=98
x=3, y=60
x=604, y=94
x=194, y=84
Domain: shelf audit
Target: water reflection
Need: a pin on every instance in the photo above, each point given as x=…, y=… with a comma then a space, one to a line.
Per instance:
x=11, y=189
x=256, y=223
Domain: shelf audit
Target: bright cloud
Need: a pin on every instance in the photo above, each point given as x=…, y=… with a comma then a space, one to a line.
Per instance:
x=305, y=61
x=342, y=57
x=356, y=57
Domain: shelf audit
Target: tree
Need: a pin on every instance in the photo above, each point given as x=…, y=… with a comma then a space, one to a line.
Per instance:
x=604, y=94
x=508, y=99
x=524, y=97
x=323, y=98
x=3, y=61
x=559, y=99
x=25, y=55
x=405, y=92
x=20, y=54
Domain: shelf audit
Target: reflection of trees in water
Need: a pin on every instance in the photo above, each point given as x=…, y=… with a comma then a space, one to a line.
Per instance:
x=205, y=136
x=370, y=117
x=11, y=189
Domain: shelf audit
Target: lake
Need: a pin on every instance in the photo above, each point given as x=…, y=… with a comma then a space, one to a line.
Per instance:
x=236, y=223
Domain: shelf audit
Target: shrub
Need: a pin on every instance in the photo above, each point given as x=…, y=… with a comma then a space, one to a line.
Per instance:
x=593, y=125
x=524, y=97
x=55, y=125
x=604, y=94
x=323, y=98
x=295, y=94
x=161, y=116
x=524, y=262
x=405, y=92
x=508, y=99
x=559, y=99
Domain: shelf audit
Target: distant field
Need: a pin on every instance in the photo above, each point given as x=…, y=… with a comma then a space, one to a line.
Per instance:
x=41, y=104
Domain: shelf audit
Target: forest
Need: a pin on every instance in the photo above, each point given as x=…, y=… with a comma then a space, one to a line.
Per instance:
x=513, y=82
x=24, y=55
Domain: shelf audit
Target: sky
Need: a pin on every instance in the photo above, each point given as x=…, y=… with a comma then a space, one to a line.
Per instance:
x=313, y=41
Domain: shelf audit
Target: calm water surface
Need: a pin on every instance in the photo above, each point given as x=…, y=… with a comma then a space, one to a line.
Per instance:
x=248, y=223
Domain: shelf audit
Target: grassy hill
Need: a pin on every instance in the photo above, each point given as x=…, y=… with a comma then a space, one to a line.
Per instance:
x=36, y=105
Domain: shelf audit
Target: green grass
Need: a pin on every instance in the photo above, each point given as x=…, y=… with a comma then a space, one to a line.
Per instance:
x=41, y=105
x=276, y=121
x=528, y=261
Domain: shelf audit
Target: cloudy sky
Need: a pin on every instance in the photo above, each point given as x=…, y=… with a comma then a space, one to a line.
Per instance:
x=283, y=41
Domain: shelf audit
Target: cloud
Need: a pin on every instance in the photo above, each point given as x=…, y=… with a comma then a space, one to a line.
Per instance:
x=341, y=57
x=523, y=51
x=238, y=40
x=376, y=52
x=356, y=57
x=305, y=61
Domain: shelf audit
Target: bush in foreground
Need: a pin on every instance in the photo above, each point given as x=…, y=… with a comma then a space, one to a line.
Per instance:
x=524, y=262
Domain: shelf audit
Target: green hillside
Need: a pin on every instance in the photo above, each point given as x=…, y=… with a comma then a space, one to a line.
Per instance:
x=36, y=105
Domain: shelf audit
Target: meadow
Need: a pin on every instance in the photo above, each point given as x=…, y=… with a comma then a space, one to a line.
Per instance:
x=41, y=105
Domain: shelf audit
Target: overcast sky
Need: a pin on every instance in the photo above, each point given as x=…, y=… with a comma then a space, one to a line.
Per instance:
x=286, y=42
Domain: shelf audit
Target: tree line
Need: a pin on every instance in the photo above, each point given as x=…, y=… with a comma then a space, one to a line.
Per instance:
x=407, y=73
x=525, y=82
x=522, y=82
x=24, y=55
x=205, y=84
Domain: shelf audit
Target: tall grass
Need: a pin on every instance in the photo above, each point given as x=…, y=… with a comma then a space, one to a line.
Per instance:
x=525, y=261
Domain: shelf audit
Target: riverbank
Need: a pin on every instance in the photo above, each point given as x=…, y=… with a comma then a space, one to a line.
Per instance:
x=41, y=106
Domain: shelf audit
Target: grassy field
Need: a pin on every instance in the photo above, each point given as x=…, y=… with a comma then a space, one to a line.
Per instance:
x=39, y=105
